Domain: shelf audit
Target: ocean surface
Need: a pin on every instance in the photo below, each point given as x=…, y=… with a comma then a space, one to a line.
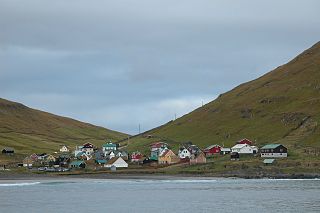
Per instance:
x=181, y=195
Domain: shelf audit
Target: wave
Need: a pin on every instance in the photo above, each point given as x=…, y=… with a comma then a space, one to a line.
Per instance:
x=18, y=184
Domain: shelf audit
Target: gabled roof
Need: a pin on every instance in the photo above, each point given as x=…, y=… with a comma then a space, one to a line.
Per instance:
x=239, y=146
x=212, y=146
x=113, y=160
x=110, y=145
x=245, y=140
x=271, y=146
x=8, y=149
x=77, y=163
x=158, y=144
x=167, y=152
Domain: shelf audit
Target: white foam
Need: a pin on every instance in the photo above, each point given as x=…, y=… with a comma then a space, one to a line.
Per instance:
x=19, y=184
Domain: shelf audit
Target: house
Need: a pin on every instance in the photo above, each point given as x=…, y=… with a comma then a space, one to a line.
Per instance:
x=8, y=151
x=110, y=154
x=234, y=156
x=243, y=149
x=225, y=151
x=156, y=149
x=198, y=158
x=136, y=156
x=193, y=149
x=77, y=150
x=34, y=157
x=27, y=162
x=50, y=158
x=83, y=156
x=64, y=148
x=117, y=162
x=98, y=155
x=78, y=164
x=213, y=149
x=269, y=161
x=168, y=157
x=88, y=148
x=110, y=146
x=63, y=159
x=274, y=151
x=184, y=153
x=42, y=156
x=123, y=154
x=245, y=141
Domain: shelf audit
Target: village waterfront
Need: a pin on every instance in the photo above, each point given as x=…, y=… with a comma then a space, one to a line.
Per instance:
x=160, y=195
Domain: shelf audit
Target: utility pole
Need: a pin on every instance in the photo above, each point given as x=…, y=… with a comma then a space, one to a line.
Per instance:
x=139, y=129
x=175, y=116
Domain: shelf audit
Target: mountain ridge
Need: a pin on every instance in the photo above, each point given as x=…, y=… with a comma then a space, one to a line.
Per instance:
x=31, y=130
x=265, y=110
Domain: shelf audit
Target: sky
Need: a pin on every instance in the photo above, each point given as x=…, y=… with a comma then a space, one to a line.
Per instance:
x=122, y=63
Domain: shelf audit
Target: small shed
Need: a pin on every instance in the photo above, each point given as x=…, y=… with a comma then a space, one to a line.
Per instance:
x=269, y=161
x=8, y=151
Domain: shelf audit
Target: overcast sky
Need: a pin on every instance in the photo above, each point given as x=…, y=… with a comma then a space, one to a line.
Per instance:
x=120, y=63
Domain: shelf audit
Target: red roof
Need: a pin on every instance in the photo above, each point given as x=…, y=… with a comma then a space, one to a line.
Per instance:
x=245, y=141
x=158, y=145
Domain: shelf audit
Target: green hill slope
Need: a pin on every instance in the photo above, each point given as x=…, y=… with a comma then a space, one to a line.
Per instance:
x=281, y=106
x=29, y=130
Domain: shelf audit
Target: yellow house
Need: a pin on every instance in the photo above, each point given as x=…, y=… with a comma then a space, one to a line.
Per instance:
x=50, y=158
x=168, y=157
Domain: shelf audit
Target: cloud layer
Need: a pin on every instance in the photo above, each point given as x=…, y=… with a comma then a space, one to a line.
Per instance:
x=121, y=63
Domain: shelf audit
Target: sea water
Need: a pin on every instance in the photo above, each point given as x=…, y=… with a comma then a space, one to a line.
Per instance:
x=179, y=195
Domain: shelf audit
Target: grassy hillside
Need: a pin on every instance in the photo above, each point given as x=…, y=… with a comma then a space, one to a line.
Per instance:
x=29, y=130
x=281, y=106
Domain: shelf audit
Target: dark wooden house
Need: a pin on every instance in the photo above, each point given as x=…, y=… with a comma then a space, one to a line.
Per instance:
x=8, y=151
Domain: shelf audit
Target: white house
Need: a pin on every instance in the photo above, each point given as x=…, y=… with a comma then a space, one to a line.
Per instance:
x=244, y=149
x=117, y=162
x=184, y=153
x=64, y=149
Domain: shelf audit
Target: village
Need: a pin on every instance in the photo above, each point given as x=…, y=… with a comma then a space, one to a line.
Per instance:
x=111, y=157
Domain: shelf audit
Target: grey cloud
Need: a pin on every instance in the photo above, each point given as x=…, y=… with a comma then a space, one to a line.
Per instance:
x=113, y=62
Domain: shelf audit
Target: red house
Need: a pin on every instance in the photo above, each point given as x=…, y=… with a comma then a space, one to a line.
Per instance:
x=136, y=157
x=245, y=141
x=213, y=149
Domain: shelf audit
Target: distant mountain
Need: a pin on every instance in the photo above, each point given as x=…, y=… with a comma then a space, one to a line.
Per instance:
x=282, y=106
x=29, y=130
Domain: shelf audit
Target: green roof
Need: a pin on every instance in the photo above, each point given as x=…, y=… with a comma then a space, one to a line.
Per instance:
x=268, y=161
x=102, y=161
x=76, y=163
x=271, y=146
x=109, y=145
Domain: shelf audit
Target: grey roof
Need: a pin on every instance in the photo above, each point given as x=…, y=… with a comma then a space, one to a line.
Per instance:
x=271, y=146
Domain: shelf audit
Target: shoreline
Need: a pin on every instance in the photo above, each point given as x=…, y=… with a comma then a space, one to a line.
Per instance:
x=155, y=176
